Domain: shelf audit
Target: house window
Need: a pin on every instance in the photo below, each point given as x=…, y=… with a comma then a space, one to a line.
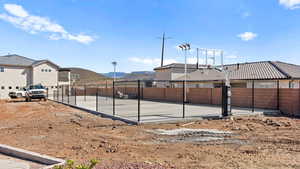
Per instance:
x=2, y=87
x=9, y=87
x=49, y=70
x=1, y=69
x=17, y=87
x=42, y=70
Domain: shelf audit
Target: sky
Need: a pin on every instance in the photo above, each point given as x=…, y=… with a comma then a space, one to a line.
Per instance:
x=93, y=33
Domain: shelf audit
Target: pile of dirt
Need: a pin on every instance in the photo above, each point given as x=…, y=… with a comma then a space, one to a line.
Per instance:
x=60, y=131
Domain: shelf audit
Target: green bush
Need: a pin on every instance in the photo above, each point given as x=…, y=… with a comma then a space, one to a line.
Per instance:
x=71, y=165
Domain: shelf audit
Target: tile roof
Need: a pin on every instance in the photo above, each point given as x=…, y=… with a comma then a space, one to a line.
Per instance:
x=254, y=71
x=265, y=70
x=290, y=70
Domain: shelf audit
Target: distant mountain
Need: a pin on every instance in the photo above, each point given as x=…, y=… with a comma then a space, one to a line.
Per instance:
x=118, y=74
x=136, y=75
x=85, y=76
x=143, y=72
x=141, y=75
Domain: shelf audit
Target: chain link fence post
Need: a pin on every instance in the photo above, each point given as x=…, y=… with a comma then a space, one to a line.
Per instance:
x=139, y=100
x=183, y=99
x=75, y=96
x=114, y=104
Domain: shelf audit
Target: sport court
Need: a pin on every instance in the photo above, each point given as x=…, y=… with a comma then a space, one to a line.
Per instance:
x=153, y=111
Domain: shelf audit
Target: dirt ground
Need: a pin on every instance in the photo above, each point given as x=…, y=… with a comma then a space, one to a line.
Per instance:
x=57, y=130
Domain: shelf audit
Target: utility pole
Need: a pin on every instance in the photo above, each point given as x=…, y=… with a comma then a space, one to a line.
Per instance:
x=206, y=57
x=163, y=48
x=197, y=58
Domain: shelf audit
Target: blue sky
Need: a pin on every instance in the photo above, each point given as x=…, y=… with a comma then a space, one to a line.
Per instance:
x=92, y=33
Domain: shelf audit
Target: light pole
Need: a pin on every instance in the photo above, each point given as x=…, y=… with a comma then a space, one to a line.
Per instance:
x=185, y=47
x=114, y=63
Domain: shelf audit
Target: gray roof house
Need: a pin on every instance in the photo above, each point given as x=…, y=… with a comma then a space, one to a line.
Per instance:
x=18, y=71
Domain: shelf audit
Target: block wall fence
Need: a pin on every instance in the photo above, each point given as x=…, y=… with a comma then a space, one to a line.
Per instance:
x=286, y=100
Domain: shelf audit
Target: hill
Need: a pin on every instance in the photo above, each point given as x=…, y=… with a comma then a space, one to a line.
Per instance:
x=84, y=76
x=137, y=75
x=118, y=74
x=141, y=75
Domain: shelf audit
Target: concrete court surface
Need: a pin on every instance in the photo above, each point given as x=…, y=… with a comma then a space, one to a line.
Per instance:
x=8, y=162
x=154, y=111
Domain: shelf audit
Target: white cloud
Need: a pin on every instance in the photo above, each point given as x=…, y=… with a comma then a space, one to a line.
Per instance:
x=16, y=10
x=247, y=36
x=151, y=61
x=246, y=14
x=290, y=4
x=20, y=18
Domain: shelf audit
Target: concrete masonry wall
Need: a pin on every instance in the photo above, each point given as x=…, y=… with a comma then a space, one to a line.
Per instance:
x=288, y=100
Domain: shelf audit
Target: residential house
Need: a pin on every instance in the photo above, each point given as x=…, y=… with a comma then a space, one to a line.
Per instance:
x=17, y=72
x=264, y=74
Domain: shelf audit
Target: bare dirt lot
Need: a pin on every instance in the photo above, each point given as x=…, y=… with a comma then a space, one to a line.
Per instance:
x=243, y=142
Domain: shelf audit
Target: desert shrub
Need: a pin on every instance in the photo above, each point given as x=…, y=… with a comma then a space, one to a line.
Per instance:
x=70, y=164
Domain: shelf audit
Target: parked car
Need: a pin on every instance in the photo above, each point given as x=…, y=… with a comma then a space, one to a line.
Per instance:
x=36, y=92
x=30, y=92
x=18, y=94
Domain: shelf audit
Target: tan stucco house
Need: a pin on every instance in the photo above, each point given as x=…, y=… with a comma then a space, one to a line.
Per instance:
x=19, y=71
x=263, y=74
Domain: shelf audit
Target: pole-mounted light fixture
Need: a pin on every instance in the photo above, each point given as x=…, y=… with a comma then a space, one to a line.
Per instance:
x=185, y=47
x=114, y=63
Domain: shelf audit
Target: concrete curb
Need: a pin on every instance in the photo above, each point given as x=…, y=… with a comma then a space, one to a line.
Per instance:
x=31, y=156
x=132, y=122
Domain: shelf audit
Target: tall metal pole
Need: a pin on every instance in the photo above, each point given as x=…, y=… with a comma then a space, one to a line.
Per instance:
x=197, y=58
x=162, y=50
x=97, y=100
x=139, y=100
x=214, y=57
x=164, y=38
x=114, y=104
x=84, y=92
x=185, y=73
x=206, y=57
x=114, y=63
x=183, y=103
x=114, y=72
x=75, y=97
x=222, y=60
x=62, y=94
x=253, y=88
x=68, y=94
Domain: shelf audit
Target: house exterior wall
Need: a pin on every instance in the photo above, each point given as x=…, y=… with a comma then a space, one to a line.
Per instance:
x=12, y=78
x=46, y=78
x=166, y=75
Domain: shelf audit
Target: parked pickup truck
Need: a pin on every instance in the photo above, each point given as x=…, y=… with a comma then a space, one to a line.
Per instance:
x=30, y=92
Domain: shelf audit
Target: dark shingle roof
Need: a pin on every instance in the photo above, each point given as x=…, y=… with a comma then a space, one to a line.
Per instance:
x=16, y=60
